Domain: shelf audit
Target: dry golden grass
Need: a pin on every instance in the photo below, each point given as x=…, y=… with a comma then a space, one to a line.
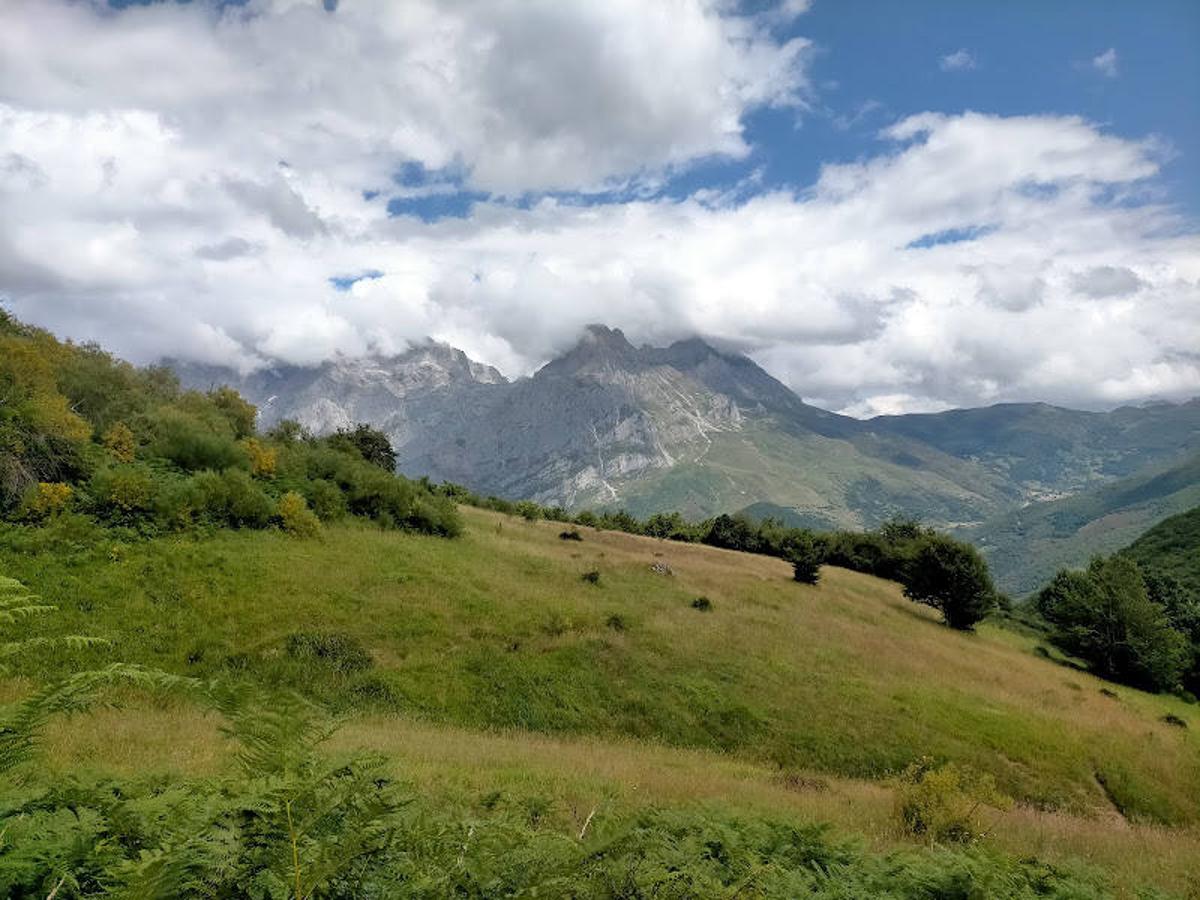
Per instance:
x=581, y=776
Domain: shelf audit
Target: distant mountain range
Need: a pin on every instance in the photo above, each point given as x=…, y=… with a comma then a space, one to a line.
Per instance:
x=691, y=428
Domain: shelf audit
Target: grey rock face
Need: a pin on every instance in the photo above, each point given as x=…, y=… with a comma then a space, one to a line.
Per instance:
x=606, y=411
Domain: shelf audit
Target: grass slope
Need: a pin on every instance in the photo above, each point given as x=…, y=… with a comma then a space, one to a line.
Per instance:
x=497, y=630
x=1026, y=547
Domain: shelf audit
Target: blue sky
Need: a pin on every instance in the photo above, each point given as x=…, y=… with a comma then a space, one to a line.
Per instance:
x=892, y=206
x=878, y=61
x=1030, y=57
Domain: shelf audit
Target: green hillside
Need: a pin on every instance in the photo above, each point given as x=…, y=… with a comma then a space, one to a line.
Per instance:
x=828, y=482
x=1025, y=547
x=521, y=710
x=423, y=639
x=1172, y=547
x=1049, y=450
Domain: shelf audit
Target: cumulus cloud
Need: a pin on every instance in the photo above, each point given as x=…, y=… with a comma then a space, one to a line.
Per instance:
x=525, y=94
x=1106, y=63
x=204, y=212
x=957, y=61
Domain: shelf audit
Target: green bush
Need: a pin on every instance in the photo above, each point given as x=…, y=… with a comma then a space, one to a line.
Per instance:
x=332, y=649
x=192, y=444
x=806, y=557
x=246, y=506
x=326, y=499
x=295, y=516
x=943, y=803
x=368, y=443
x=216, y=498
x=529, y=511
x=123, y=494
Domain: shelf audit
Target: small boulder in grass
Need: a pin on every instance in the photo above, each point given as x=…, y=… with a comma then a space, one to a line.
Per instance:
x=661, y=568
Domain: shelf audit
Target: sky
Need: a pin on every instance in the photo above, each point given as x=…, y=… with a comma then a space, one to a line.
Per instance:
x=892, y=207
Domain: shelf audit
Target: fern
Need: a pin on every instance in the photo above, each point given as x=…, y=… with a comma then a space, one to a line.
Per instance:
x=20, y=731
x=16, y=605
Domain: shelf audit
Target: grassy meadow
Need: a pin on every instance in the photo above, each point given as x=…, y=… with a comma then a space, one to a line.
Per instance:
x=488, y=671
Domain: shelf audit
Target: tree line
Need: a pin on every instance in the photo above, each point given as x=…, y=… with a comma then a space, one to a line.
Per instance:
x=935, y=569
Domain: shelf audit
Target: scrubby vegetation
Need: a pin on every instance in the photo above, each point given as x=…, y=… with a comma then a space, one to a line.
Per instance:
x=292, y=822
x=84, y=434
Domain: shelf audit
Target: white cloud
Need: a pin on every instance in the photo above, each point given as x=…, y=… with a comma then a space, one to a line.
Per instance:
x=958, y=61
x=202, y=213
x=524, y=94
x=1106, y=63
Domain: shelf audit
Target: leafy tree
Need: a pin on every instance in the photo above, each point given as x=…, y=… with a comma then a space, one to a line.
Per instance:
x=529, y=511
x=733, y=533
x=1182, y=609
x=806, y=556
x=1106, y=617
x=240, y=413
x=371, y=444
x=951, y=577
x=667, y=525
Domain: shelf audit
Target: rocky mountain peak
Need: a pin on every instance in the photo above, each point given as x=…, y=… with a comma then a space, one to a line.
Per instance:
x=600, y=349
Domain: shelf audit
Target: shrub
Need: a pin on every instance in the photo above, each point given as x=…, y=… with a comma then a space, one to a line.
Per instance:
x=529, y=511
x=245, y=503
x=951, y=577
x=592, y=577
x=326, y=499
x=192, y=445
x=333, y=649
x=941, y=803
x=806, y=558
x=263, y=458
x=733, y=533
x=702, y=603
x=288, y=431
x=123, y=493
x=239, y=413
x=571, y=535
x=616, y=622
x=224, y=498
x=295, y=516
x=119, y=441
x=46, y=499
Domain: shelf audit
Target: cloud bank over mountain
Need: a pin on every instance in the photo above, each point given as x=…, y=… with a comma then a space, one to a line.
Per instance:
x=270, y=181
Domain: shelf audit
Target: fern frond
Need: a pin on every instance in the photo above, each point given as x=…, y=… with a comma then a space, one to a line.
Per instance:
x=20, y=733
